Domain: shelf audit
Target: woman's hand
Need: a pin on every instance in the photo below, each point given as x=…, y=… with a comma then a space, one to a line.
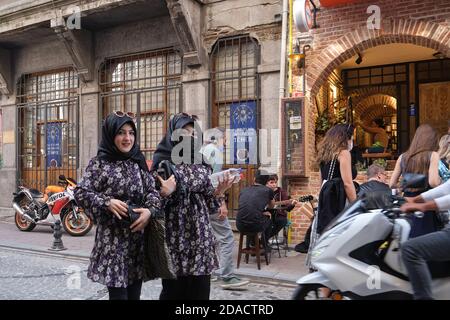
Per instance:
x=417, y=199
x=224, y=184
x=268, y=214
x=223, y=211
x=142, y=221
x=167, y=186
x=294, y=202
x=118, y=208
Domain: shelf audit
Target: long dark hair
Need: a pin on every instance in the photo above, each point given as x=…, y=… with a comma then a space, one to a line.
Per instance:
x=417, y=158
x=336, y=140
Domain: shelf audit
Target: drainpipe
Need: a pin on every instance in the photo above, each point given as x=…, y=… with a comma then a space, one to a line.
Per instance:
x=282, y=82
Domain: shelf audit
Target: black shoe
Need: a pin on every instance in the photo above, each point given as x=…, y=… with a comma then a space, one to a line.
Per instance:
x=301, y=247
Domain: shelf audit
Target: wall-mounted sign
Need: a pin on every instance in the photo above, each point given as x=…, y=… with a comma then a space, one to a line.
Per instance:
x=243, y=123
x=412, y=110
x=54, y=144
x=303, y=15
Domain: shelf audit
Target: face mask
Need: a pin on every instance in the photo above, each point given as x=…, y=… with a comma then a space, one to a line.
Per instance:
x=350, y=145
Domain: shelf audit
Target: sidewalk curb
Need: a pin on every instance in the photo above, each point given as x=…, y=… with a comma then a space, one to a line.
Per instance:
x=64, y=254
x=255, y=275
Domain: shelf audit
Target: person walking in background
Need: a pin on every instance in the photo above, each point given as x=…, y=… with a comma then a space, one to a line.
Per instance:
x=190, y=238
x=279, y=218
x=116, y=178
x=444, y=156
x=337, y=170
x=420, y=158
x=213, y=152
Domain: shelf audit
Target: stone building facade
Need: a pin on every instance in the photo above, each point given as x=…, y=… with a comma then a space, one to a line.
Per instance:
x=204, y=57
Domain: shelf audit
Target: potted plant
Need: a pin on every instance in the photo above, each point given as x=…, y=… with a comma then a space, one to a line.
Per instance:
x=377, y=147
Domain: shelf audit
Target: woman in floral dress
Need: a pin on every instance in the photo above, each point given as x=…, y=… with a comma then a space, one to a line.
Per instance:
x=189, y=235
x=116, y=177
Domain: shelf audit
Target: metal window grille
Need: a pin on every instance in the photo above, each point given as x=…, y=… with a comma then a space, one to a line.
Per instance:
x=234, y=79
x=148, y=84
x=1, y=139
x=48, y=126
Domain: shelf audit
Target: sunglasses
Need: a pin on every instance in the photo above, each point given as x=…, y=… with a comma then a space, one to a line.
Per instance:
x=123, y=114
x=193, y=116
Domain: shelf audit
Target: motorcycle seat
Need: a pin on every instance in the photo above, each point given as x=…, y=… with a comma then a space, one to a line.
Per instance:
x=36, y=193
x=439, y=269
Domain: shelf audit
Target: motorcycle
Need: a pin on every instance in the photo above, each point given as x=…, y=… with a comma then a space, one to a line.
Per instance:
x=35, y=208
x=358, y=256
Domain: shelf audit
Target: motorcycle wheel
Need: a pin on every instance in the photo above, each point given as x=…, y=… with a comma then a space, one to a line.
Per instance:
x=23, y=224
x=308, y=292
x=77, y=227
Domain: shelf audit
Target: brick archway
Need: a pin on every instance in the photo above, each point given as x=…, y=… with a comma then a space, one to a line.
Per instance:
x=373, y=106
x=421, y=33
x=361, y=94
x=378, y=111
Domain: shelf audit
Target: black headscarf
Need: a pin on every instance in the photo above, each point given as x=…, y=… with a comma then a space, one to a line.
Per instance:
x=108, y=150
x=165, y=146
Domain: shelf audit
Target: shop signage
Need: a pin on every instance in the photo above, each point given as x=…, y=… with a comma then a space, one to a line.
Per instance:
x=243, y=120
x=54, y=135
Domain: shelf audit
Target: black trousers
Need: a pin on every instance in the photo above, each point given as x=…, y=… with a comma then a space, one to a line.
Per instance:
x=278, y=223
x=265, y=226
x=186, y=288
x=417, y=252
x=132, y=292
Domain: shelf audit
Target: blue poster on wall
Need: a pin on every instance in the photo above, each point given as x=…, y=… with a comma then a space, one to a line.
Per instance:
x=243, y=125
x=54, y=135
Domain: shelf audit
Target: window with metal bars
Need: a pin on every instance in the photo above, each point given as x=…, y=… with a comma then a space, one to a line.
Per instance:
x=147, y=84
x=235, y=87
x=48, y=113
x=1, y=139
x=234, y=80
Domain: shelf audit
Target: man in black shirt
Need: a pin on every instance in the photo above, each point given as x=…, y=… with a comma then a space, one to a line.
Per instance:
x=254, y=201
x=375, y=187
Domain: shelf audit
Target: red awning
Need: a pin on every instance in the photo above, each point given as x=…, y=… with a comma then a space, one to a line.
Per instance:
x=333, y=3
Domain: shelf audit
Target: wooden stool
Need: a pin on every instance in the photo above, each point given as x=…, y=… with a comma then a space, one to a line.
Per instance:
x=248, y=250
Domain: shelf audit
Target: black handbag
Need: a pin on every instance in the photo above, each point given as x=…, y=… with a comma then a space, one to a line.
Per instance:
x=166, y=169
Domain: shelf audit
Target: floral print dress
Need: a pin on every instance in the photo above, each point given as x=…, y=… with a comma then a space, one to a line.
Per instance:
x=189, y=236
x=117, y=259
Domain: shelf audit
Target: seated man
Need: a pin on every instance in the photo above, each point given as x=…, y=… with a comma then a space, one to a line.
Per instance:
x=254, y=201
x=376, y=181
x=375, y=190
x=434, y=246
x=279, y=218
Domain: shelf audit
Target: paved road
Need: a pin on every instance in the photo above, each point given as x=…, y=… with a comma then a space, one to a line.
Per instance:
x=288, y=268
x=27, y=275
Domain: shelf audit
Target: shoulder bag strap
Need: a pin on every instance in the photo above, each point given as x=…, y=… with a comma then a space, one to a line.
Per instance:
x=331, y=170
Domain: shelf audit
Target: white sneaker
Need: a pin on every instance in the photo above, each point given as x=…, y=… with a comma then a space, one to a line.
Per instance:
x=234, y=283
x=214, y=278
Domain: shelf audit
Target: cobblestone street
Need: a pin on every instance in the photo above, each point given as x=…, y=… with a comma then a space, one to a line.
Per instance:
x=26, y=275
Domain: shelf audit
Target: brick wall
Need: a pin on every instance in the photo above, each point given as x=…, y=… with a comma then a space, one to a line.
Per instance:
x=305, y=186
x=343, y=32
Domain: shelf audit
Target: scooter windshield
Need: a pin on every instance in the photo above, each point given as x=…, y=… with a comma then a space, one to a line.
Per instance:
x=353, y=209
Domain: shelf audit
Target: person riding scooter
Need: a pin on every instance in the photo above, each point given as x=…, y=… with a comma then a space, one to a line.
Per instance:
x=430, y=247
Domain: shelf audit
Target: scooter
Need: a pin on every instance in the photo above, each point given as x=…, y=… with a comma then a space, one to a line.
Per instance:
x=358, y=256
